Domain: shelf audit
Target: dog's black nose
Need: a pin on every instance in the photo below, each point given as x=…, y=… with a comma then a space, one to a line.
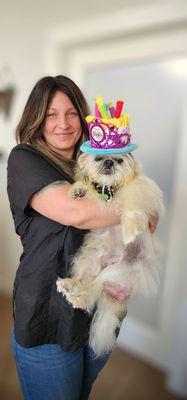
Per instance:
x=108, y=163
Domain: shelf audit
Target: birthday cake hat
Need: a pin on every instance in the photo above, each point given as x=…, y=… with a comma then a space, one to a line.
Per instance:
x=109, y=130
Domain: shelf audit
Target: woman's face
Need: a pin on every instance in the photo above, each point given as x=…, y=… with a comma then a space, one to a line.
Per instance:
x=62, y=128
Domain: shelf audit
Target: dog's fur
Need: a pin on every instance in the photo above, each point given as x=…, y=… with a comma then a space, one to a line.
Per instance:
x=125, y=254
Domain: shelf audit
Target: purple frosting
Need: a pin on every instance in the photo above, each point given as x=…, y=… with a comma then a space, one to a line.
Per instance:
x=105, y=136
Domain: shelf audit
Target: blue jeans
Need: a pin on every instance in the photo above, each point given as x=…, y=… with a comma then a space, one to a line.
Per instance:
x=46, y=372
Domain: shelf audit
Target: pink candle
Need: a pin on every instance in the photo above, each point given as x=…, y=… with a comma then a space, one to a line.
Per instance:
x=97, y=113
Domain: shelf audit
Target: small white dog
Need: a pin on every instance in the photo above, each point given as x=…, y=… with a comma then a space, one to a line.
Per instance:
x=125, y=254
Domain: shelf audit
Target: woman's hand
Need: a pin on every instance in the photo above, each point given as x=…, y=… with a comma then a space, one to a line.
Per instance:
x=153, y=221
x=118, y=292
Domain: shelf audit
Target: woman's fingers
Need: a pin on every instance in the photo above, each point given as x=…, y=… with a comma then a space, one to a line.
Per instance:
x=153, y=221
x=118, y=292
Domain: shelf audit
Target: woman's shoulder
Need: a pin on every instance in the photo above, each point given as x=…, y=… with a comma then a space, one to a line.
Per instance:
x=22, y=149
x=25, y=158
x=27, y=154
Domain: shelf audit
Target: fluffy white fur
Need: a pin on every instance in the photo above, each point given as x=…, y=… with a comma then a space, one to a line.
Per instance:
x=125, y=254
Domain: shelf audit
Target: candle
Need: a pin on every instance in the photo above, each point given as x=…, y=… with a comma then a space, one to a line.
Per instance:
x=112, y=111
x=119, y=106
x=104, y=113
x=97, y=113
x=99, y=101
x=107, y=105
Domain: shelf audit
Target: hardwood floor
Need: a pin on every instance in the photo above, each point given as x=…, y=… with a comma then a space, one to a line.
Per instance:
x=125, y=377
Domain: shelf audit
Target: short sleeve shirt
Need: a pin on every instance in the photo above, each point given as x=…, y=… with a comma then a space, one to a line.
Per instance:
x=42, y=315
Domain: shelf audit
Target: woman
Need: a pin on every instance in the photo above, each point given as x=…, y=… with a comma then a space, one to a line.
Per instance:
x=50, y=346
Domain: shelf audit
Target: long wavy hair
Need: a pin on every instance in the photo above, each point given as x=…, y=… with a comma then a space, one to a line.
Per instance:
x=31, y=125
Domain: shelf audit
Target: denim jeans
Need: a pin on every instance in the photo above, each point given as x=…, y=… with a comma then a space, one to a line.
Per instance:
x=46, y=372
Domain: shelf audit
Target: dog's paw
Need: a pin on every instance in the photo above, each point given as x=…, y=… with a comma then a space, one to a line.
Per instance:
x=129, y=236
x=64, y=285
x=134, y=226
x=77, y=301
x=77, y=190
x=70, y=290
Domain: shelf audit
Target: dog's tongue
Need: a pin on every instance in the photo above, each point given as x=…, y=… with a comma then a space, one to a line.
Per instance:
x=106, y=171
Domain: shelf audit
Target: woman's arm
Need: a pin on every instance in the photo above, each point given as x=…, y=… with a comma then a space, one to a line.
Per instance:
x=55, y=202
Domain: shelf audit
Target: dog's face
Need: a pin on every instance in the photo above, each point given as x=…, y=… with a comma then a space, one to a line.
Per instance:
x=111, y=169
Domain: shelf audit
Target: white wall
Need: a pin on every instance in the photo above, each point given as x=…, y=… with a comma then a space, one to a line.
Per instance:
x=21, y=51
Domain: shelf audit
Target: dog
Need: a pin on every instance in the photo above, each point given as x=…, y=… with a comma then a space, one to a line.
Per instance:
x=125, y=254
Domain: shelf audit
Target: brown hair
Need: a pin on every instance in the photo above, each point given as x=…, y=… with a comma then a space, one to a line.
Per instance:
x=30, y=127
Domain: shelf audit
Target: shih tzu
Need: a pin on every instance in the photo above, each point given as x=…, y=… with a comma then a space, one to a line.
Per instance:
x=125, y=254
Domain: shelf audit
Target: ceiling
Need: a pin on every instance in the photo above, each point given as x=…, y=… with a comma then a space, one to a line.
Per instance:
x=47, y=13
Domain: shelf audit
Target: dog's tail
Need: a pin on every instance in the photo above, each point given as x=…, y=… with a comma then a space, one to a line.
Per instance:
x=105, y=324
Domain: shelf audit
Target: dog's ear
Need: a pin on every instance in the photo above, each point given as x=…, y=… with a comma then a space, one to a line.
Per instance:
x=137, y=168
x=80, y=167
x=81, y=160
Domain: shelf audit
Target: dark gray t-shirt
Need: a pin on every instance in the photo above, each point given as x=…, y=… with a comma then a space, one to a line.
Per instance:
x=42, y=315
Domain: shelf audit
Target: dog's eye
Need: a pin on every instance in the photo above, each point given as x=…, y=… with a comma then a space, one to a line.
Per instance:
x=119, y=160
x=98, y=158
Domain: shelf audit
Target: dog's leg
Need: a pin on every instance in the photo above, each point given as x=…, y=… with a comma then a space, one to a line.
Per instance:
x=107, y=319
x=81, y=293
x=133, y=224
